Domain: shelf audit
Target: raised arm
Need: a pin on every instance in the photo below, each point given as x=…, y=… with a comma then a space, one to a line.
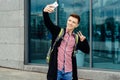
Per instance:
x=48, y=23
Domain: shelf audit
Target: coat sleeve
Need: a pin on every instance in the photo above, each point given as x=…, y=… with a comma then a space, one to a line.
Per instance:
x=49, y=24
x=83, y=46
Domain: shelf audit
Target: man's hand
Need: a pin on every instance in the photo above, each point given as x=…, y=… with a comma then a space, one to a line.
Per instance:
x=49, y=8
x=82, y=37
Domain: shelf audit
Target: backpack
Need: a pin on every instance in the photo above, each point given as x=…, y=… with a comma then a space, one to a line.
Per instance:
x=58, y=37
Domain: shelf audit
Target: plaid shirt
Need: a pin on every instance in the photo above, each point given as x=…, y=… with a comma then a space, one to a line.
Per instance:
x=65, y=52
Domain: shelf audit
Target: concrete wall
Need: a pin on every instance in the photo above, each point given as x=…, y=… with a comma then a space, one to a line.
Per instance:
x=12, y=33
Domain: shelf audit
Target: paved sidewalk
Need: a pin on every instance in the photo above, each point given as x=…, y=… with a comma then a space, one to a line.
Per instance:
x=12, y=74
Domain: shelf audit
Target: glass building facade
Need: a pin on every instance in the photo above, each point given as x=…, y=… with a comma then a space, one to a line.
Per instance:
x=100, y=23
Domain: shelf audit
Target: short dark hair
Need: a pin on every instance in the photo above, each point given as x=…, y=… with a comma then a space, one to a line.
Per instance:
x=75, y=16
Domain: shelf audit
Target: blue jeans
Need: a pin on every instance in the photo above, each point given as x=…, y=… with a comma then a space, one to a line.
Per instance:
x=62, y=75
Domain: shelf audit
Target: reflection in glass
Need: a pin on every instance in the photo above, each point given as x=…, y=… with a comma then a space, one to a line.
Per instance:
x=105, y=30
x=39, y=36
x=106, y=34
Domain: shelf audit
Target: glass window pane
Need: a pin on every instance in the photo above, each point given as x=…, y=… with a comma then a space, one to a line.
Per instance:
x=80, y=7
x=106, y=34
x=39, y=37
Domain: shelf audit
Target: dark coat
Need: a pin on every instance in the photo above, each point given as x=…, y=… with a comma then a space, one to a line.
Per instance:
x=83, y=46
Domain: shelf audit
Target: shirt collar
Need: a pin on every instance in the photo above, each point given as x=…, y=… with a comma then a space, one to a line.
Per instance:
x=68, y=32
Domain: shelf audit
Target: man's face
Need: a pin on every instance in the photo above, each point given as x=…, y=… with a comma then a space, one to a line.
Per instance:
x=72, y=23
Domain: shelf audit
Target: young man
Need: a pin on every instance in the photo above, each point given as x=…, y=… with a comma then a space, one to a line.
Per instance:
x=62, y=64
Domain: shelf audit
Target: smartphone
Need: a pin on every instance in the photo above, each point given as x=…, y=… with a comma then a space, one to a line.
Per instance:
x=55, y=4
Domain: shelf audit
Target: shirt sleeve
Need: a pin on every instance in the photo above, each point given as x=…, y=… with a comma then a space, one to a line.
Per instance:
x=83, y=46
